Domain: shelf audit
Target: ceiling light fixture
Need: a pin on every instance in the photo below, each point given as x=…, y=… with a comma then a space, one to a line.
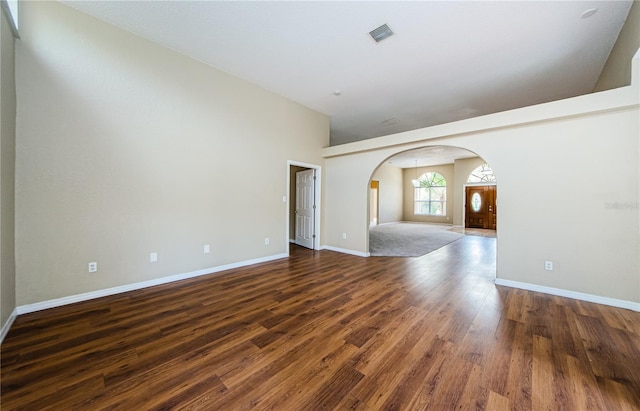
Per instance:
x=588, y=13
x=416, y=181
x=337, y=92
x=381, y=33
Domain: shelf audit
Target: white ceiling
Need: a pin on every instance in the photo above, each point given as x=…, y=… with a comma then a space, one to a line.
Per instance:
x=448, y=60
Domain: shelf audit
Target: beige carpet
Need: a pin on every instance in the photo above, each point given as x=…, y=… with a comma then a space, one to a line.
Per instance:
x=409, y=239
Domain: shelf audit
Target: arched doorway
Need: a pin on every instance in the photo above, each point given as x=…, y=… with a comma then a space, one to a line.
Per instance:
x=422, y=187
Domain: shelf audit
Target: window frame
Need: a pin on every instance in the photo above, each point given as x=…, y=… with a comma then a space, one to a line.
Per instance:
x=483, y=174
x=431, y=183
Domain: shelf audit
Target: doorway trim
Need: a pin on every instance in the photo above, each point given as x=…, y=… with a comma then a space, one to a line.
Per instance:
x=374, y=201
x=318, y=200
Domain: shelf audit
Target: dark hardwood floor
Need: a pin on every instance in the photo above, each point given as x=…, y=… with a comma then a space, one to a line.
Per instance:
x=323, y=330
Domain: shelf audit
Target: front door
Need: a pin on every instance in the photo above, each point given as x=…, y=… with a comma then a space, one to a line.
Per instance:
x=480, y=207
x=305, y=208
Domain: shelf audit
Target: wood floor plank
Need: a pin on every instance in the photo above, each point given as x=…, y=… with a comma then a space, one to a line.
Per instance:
x=323, y=330
x=498, y=358
x=474, y=347
x=405, y=393
x=518, y=388
x=387, y=371
x=298, y=390
x=585, y=394
x=617, y=396
x=336, y=388
x=497, y=402
x=51, y=400
x=398, y=323
x=450, y=390
x=543, y=384
x=474, y=395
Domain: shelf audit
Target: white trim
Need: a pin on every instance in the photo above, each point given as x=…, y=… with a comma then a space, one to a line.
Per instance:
x=345, y=251
x=422, y=222
x=629, y=305
x=43, y=305
x=11, y=17
x=481, y=184
x=318, y=201
x=6, y=326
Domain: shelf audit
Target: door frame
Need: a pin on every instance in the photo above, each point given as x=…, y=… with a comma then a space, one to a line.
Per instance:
x=377, y=203
x=318, y=201
x=464, y=198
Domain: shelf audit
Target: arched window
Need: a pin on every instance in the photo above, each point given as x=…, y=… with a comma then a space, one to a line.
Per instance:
x=430, y=195
x=482, y=174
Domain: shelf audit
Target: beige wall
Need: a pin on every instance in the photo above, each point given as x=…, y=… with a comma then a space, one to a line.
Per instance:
x=617, y=70
x=390, y=192
x=125, y=148
x=462, y=169
x=409, y=174
x=7, y=170
x=586, y=221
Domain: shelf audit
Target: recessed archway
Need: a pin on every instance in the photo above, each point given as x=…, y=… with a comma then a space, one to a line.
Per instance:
x=403, y=199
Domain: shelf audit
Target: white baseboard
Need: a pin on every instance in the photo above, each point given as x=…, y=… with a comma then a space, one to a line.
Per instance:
x=426, y=223
x=629, y=305
x=7, y=325
x=345, y=251
x=29, y=308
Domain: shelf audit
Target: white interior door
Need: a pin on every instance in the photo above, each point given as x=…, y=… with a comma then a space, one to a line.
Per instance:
x=305, y=208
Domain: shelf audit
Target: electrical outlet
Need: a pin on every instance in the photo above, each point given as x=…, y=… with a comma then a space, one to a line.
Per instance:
x=344, y=236
x=93, y=267
x=207, y=249
x=266, y=241
x=153, y=257
x=548, y=265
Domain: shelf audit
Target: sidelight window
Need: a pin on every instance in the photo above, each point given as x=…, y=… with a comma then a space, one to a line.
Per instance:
x=430, y=195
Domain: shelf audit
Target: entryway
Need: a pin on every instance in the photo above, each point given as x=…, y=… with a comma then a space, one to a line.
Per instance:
x=304, y=199
x=374, y=203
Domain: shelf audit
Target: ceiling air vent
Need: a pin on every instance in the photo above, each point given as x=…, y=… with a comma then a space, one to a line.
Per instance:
x=381, y=33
